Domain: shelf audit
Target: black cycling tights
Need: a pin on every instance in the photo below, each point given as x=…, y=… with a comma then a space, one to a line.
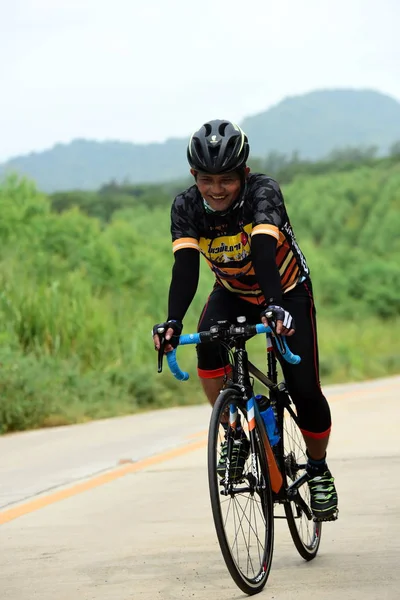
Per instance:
x=302, y=380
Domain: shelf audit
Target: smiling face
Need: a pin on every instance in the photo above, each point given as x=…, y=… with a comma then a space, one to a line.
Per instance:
x=219, y=191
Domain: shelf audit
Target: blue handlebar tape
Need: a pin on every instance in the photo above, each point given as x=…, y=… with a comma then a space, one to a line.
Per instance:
x=174, y=367
x=291, y=358
x=189, y=338
x=194, y=338
x=260, y=328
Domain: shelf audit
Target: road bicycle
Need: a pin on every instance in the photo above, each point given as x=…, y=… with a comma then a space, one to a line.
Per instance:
x=246, y=501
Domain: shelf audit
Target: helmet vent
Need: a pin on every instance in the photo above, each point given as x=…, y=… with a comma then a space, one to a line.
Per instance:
x=232, y=148
x=222, y=128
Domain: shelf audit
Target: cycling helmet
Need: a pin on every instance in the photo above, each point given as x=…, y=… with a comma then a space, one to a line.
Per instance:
x=218, y=147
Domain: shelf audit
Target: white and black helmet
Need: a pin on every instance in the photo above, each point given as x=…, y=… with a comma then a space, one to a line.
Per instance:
x=218, y=147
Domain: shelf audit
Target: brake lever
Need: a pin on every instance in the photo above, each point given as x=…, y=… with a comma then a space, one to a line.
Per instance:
x=161, y=335
x=277, y=337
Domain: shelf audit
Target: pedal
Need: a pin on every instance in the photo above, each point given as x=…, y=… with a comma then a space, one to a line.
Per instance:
x=332, y=517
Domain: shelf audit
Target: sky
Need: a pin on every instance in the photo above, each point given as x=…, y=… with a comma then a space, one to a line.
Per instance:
x=148, y=70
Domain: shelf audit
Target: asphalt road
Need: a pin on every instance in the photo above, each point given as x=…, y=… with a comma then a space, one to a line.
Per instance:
x=120, y=509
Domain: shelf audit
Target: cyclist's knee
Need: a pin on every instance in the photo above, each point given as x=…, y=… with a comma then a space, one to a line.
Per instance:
x=313, y=411
x=212, y=384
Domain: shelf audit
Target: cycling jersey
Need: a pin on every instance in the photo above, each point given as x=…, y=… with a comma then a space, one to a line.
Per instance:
x=225, y=240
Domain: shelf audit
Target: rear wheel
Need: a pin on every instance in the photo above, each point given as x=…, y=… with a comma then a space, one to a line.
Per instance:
x=241, y=496
x=305, y=532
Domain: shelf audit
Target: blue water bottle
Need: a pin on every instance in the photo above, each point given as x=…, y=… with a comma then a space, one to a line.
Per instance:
x=268, y=416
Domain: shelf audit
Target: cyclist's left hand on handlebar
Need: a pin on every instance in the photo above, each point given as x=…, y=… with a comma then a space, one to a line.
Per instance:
x=172, y=330
x=284, y=321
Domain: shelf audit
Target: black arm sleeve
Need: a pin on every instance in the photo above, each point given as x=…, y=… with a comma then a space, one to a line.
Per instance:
x=263, y=252
x=185, y=278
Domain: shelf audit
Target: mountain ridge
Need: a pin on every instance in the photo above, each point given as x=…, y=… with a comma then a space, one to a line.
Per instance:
x=311, y=124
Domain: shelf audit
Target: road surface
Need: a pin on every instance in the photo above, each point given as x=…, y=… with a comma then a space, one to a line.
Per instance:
x=119, y=509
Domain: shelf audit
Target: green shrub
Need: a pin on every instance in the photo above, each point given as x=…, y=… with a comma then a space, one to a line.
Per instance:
x=81, y=288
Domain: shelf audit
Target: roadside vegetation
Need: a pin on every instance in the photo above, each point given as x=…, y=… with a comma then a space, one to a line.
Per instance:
x=84, y=275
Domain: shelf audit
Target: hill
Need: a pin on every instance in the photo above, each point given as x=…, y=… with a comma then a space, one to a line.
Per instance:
x=313, y=125
x=317, y=123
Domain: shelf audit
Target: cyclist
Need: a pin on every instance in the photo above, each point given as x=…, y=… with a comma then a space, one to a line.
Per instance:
x=238, y=222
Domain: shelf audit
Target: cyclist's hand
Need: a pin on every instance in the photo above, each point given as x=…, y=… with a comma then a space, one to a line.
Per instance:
x=173, y=330
x=283, y=319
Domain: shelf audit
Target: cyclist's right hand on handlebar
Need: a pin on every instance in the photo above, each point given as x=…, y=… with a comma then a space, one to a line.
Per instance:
x=172, y=331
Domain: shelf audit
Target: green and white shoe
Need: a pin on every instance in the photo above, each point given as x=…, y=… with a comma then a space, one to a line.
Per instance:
x=324, y=499
x=240, y=453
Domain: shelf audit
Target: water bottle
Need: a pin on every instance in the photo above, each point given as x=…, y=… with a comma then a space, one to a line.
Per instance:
x=268, y=416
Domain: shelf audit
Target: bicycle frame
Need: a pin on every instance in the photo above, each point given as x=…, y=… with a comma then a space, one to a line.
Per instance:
x=242, y=368
x=280, y=400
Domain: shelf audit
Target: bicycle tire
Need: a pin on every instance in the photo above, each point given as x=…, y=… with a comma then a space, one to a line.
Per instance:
x=306, y=533
x=248, y=576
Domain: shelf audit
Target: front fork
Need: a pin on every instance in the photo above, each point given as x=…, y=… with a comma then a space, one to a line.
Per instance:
x=233, y=422
x=253, y=417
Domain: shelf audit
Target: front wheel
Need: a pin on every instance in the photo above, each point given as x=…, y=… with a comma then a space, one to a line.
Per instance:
x=240, y=493
x=305, y=532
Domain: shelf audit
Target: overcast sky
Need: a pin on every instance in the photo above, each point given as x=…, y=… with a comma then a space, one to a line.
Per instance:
x=151, y=69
